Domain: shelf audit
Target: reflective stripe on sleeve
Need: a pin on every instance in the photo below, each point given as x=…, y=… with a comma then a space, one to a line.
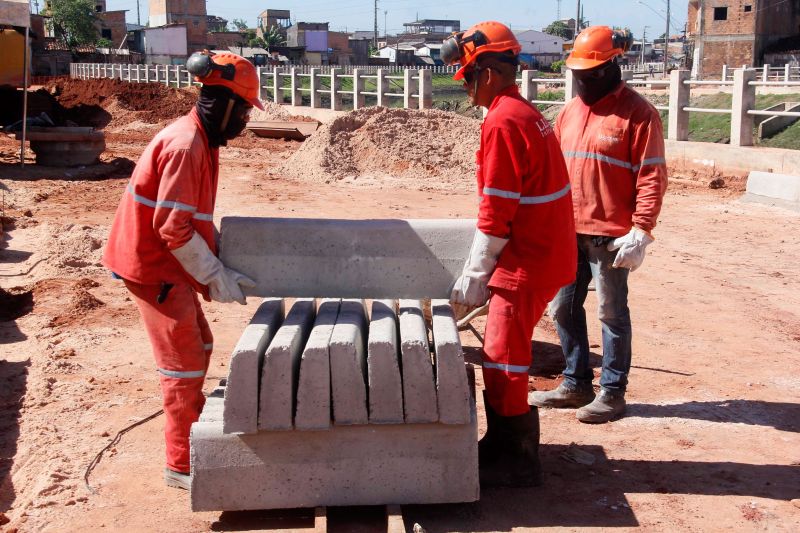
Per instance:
x=182, y=375
x=529, y=200
x=513, y=369
x=208, y=347
x=598, y=157
x=511, y=195
x=650, y=161
x=169, y=204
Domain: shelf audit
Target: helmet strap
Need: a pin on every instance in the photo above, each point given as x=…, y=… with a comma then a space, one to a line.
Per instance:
x=227, y=116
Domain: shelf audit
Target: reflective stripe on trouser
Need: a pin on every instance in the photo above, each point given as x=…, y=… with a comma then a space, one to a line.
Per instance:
x=181, y=340
x=507, y=346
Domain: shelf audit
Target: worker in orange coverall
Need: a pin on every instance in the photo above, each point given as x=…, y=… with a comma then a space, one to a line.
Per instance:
x=162, y=242
x=613, y=143
x=523, y=250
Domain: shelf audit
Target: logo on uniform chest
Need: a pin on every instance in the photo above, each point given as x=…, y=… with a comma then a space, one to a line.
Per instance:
x=544, y=127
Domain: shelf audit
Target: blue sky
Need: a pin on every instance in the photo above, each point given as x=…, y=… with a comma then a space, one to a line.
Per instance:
x=358, y=14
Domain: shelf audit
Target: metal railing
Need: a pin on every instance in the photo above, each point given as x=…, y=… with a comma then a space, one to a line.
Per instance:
x=331, y=86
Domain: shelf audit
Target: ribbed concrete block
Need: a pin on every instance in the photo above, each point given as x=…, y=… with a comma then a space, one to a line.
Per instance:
x=282, y=366
x=349, y=364
x=452, y=388
x=314, y=387
x=419, y=391
x=347, y=258
x=241, y=398
x=346, y=465
x=385, y=385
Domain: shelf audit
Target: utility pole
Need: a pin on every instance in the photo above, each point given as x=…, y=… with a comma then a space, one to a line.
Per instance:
x=385, y=31
x=577, y=21
x=558, y=9
x=375, y=36
x=644, y=42
x=138, y=20
x=666, y=44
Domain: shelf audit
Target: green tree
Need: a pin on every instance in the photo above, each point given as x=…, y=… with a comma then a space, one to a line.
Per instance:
x=239, y=24
x=559, y=29
x=273, y=37
x=73, y=21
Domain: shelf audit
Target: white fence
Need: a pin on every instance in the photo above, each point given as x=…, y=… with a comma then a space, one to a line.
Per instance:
x=415, y=87
x=785, y=73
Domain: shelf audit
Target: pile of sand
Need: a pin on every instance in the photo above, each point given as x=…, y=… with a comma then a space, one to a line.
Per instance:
x=427, y=149
x=72, y=250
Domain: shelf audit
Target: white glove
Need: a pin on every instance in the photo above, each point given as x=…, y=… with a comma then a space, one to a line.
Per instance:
x=631, y=248
x=223, y=283
x=471, y=288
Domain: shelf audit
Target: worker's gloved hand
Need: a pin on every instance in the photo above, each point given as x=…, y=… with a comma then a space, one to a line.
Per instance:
x=471, y=288
x=631, y=248
x=224, y=284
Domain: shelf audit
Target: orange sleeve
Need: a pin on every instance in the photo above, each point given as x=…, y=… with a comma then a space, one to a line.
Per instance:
x=503, y=167
x=650, y=167
x=178, y=195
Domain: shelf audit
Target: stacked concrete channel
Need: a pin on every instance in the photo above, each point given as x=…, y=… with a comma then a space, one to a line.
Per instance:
x=341, y=401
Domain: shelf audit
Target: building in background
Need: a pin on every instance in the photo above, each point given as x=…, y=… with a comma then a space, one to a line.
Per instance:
x=432, y=29
x=278, y=18
x=191, y=13
x=314, y=37
x=166, y=45
x=539, y=49
x=737, y=32
x=216, y=24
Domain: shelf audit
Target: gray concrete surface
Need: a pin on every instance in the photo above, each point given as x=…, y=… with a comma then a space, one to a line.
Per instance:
x=419, y=390
x=452, y=390
x=383, y=365
x=314, y=387
x=244, y=372
x=282, y=366
x=728, y=159
x=347, y=258
x=781, y=190
x=346, y=465
x=349, y=364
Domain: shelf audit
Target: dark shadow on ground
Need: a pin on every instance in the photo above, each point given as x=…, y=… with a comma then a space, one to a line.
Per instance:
x=106, y=168
x=779, y=415
x=13, y=383
x=576, y=495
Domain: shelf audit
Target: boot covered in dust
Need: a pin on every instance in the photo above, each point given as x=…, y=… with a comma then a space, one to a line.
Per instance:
x=508, y=455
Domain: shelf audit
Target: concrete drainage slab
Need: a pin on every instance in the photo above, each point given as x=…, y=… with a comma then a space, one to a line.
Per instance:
x=351, y=409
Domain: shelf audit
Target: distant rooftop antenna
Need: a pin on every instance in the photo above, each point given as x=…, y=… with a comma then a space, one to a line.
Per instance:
x=558, y=9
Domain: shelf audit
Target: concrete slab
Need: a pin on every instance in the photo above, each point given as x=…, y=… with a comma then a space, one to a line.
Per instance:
x=282, y=366
x=452, y=390
x=346, y=465
x=767, y=186
x=314, y=386
x=244, y=372
x=349, y=364
x=383, y=365
x=419, y=391
x=347, y=258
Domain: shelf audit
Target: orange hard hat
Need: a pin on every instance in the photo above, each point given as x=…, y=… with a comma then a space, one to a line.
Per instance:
x=596, y=45
x=228, y=70
x=465, y=47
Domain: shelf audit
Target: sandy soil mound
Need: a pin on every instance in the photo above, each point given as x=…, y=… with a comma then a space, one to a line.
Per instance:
x=428, y=149
x=146, y=102
x=72, y=250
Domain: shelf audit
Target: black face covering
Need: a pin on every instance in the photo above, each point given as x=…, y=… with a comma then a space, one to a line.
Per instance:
x=593, y=84
x=212, y=106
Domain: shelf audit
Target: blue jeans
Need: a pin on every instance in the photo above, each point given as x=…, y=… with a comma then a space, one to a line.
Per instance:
x=611, y=285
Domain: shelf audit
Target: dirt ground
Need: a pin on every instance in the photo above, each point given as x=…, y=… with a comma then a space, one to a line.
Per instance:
x=711, y=440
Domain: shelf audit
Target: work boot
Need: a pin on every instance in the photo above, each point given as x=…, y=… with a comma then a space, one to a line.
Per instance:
x=607, y=406
x=565, y=395
x=179, y=480
x=508, y=455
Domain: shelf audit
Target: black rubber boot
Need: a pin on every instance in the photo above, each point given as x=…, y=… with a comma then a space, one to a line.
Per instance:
x=508, y=455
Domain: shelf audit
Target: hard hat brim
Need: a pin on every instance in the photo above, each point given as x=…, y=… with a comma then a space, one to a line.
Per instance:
x=459, y=75
x=580, y=63
x=255, y=102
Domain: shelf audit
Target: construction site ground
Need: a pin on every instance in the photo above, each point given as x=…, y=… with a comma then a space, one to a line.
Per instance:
x=710, y=442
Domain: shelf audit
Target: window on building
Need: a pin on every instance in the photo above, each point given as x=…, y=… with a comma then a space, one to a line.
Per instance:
x=720, y=13
x=105, y=33
x=748, y=9
x=99, y=9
